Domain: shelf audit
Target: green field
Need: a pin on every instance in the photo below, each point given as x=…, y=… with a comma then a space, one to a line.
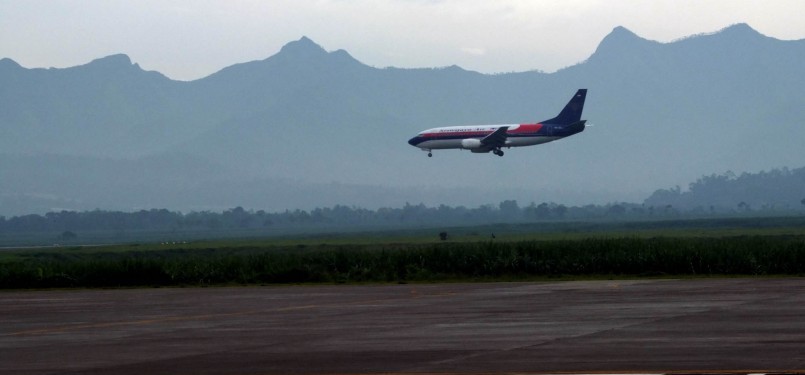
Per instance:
x=685, y=248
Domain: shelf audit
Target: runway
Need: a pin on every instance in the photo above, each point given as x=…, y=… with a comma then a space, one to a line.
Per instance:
x=641, y=326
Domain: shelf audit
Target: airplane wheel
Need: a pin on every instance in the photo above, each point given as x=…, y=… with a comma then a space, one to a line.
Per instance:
x=430, y=155
x=500, y=153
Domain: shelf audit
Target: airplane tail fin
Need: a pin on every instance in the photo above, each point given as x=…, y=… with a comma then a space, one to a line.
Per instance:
x=572, y=111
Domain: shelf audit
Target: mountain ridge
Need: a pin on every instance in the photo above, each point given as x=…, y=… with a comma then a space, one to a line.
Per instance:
x=306, y=48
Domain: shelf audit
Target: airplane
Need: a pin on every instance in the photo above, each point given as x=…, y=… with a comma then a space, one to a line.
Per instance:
x=486, y=138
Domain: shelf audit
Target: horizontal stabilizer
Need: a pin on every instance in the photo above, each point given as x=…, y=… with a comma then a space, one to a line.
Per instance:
x=577, y=126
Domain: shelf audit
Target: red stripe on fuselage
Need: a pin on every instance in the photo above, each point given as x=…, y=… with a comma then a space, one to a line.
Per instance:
x=525, y=128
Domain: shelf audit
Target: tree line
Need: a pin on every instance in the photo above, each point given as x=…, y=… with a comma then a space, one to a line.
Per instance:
x=339, y=216
x=336, y=216
x=779, y=191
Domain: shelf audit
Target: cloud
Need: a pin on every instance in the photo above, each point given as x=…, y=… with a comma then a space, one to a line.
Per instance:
x=474, y=51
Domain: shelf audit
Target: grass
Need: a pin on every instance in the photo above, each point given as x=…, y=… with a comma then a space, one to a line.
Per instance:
x=255, y=262
x=312, y=236
x=769, y=246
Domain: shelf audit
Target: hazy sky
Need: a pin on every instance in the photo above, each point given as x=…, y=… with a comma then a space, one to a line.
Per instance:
x=191, y=39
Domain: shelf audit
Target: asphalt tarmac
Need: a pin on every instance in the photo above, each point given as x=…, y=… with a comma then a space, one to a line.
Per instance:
x=645, y=326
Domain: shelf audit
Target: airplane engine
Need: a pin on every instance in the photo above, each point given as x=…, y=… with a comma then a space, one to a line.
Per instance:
x=470, y=143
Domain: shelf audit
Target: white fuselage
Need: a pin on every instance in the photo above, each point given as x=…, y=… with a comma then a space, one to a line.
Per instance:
x=451, y=137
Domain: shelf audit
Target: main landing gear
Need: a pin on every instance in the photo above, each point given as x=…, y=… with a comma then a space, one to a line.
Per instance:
x=497, y=152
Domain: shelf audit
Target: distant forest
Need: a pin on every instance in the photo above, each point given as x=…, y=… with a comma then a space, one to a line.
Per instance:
x=778, y=192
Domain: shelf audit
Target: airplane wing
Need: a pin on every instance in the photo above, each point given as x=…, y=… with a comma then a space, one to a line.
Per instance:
x=496, y=139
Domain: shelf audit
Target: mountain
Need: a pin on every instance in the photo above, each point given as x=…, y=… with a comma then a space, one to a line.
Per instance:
x=307, y=127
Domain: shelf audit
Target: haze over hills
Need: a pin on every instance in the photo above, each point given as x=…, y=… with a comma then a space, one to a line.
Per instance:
x=306, y=128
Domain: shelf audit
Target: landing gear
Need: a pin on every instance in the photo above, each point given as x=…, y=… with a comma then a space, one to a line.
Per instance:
x=430, y=154
x=497, y=152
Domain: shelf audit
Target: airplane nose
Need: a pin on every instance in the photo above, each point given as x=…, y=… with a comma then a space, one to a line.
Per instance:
x=413, y=141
